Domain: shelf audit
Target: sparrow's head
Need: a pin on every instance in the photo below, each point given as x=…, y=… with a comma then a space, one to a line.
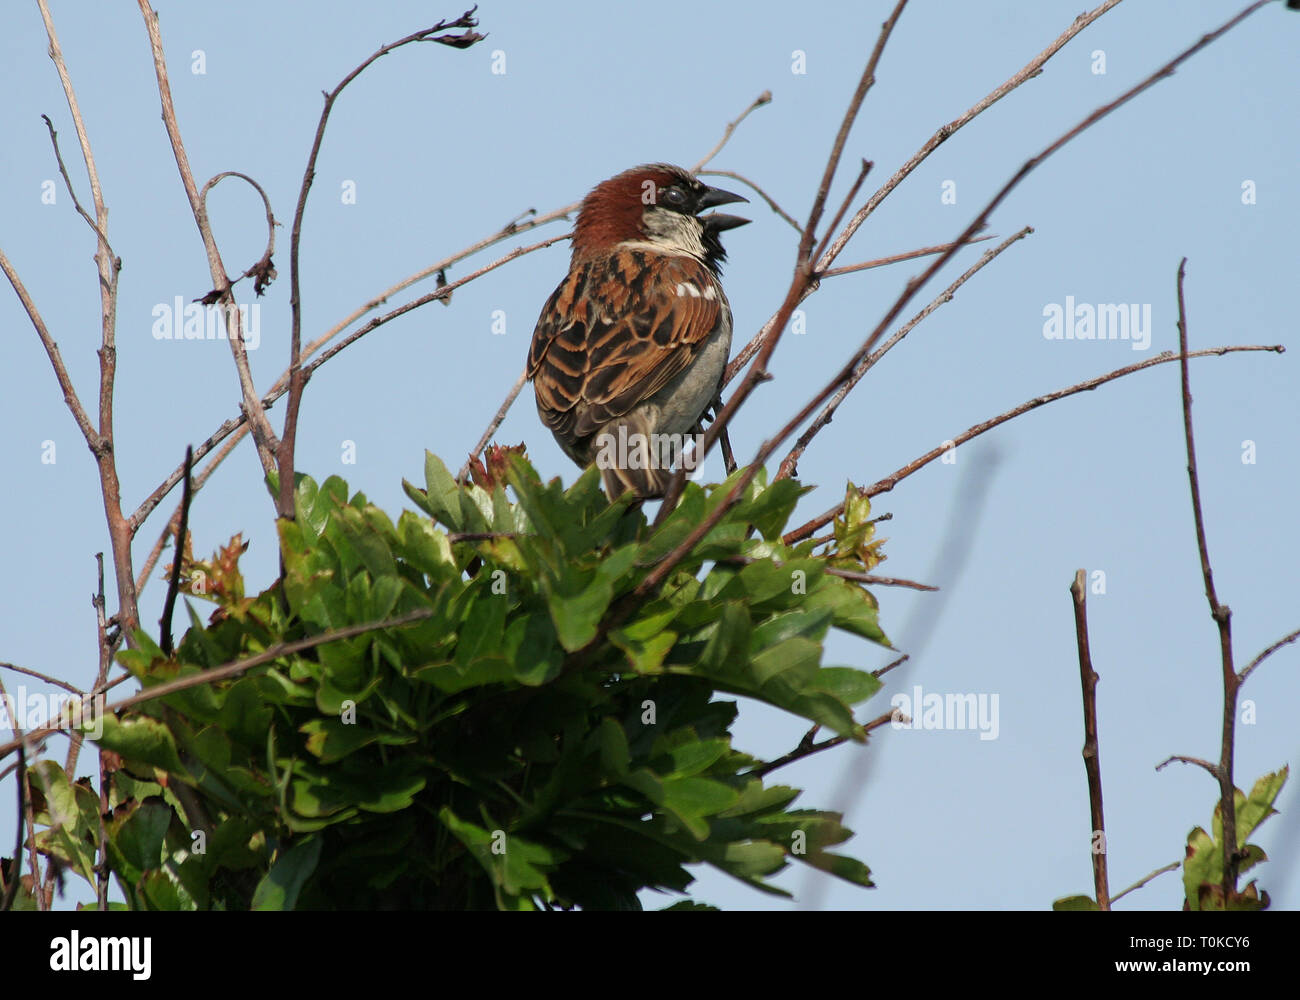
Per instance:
x=656, y=205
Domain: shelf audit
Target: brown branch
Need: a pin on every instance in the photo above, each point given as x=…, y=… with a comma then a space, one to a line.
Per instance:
x=882, y=581
x=263, y=435
x=71, y=688
x=235, y=668
x=1213, y=769
x=174, y=521
x=789, y=464
x=285, y=455
x=807, y=748
x=492, y=426
x=1222, y=616
x=844, y=207
x=24, y=816
x=1173, y=866
x=56, y=358
x=899, y=257
x=944, y=133
x=771, y=202
x=281, y=387
x=891, y=665
x=764, y=98
x=1030, y=70
x=262, y=272
x=174, y=584
x=1091, y=750
x=889, y=482
x=800, y=285
x=109, y=266
x=76, y=203
x=803, y=281
x=1290, y=637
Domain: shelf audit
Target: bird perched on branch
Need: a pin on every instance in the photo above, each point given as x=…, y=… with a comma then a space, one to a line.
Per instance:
x=630, y=349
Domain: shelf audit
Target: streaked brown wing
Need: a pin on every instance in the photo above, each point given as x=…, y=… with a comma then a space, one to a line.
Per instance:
x=616, y=332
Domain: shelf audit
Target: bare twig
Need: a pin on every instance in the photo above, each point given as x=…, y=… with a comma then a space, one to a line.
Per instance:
x=1213, y=769
x=173, y=586
x=807, y=747
x=764, y=98
x=771, y=202
x=1222, y=616
x=263, y=435
x=285, y=453
x=1173, y=866
x=109, y=266
x=493, y=425
x=800, y=284
x=281, y=387
x=882, y=581
x=802, y=281
x=891, y=665
x=262, y=272
x=76, y=203
x=1290, y=637
x=1091, y=750
x=1032, y=69
x=866, y=265
x=893, y=479
x=72, y=688
x=789, y=464
x=234, y=669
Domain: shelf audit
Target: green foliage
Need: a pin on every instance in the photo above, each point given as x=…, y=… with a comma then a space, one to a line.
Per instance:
x=1203, y=863
x=544, y=736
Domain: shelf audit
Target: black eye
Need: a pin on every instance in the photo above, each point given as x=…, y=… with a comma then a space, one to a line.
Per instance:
x=673, y=197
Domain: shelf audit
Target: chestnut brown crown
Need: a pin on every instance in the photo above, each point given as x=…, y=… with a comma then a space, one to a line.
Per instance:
x=656, y=206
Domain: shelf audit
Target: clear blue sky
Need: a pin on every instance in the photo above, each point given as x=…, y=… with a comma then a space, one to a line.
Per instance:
x=443, y=151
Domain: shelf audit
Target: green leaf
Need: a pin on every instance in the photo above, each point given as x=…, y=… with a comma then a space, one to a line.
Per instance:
x=280, y=888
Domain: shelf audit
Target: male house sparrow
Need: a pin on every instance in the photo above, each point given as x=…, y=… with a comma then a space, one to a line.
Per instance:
x=630, y=349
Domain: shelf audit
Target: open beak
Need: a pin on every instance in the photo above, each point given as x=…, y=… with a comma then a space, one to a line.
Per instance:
x=718, y=221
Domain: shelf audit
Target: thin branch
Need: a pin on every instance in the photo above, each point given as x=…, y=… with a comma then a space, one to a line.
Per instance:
x=764, y=98
x=263, y=435
x=1222, y=616
x=1173, y=866
x=844, y=207
x=169, y=528
x=882, y=581
x=1091, y=750
x=71, y=688
x=899, y=257
x=1213, y=769
x=891, y=665
x=285, y=452
x=76, y=203
x=173, y=586
x=893, y=479
x=789, y=464
x=1030, y=70
x=56, y=359
x=1290, y=637
x=758, y=369
x=493, y=425
x=281, y=387
x=800, y=285
x=807, y=748
x=262, y=272
x=771, y=202
x=235, y=668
